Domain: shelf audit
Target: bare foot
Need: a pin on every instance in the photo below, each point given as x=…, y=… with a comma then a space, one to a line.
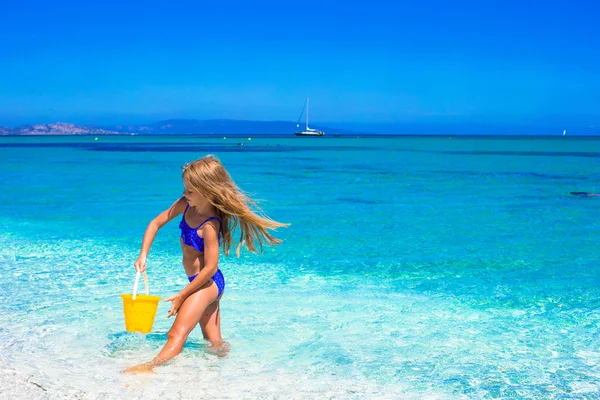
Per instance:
x=140, y=369
x=220, y=349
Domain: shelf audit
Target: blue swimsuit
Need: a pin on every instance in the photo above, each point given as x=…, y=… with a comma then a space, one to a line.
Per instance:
x=190, y=237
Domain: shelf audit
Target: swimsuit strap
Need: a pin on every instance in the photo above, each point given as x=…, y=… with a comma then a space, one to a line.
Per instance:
x=210, y=219
x=204, y=222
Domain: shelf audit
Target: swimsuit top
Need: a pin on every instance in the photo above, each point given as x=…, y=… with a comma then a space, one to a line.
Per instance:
x=190, y=236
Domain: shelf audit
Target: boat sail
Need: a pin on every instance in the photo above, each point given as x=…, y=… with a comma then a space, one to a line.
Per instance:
x=308, y=131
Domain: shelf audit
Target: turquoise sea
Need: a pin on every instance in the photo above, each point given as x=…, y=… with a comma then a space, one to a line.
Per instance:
x=414, y=267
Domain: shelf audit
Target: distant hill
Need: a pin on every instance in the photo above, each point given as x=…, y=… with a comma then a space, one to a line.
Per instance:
x=59, y=128
x=173, y=126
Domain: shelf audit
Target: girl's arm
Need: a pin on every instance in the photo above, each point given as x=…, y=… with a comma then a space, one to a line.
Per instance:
x=161, y=220
x=211, y=264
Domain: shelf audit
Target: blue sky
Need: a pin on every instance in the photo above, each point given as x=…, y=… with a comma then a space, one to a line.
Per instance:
x=362, y=63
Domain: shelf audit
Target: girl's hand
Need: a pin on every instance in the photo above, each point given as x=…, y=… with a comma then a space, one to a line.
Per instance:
x=140, y=264
x=176, y=302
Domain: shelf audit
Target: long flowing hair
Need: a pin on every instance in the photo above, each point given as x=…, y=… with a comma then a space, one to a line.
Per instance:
x=208, y=177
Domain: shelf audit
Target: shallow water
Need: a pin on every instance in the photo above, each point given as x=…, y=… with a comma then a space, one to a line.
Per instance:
x=414, y=267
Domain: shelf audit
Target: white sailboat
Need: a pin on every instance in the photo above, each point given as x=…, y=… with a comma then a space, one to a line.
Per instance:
x=564, y=132
x=308, y=131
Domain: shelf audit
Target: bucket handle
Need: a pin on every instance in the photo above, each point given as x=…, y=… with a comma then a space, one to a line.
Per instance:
x=137, y=280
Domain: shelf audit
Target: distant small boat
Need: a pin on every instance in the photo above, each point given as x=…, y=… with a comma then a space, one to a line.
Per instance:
x=308, y=131
x=564, y=132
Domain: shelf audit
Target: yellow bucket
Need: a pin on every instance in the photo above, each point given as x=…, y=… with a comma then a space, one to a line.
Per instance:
x=139, y=313
x=139, y=310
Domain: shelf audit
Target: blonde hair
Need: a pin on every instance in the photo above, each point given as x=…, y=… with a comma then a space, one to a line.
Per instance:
x=208, y=177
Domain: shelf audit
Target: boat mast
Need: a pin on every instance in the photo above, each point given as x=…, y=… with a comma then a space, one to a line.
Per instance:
x=307, y=113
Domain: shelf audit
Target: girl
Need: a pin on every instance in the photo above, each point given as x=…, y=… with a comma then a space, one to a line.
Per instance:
x=212, y=207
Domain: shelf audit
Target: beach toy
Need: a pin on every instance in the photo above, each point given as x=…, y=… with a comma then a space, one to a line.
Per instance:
x=139, y=310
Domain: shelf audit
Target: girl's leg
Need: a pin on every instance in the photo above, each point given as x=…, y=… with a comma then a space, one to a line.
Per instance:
x=211, y=329
x=189, y=314
x=211, y=323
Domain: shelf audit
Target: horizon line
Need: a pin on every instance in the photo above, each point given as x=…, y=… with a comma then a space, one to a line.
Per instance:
x=374, y=123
